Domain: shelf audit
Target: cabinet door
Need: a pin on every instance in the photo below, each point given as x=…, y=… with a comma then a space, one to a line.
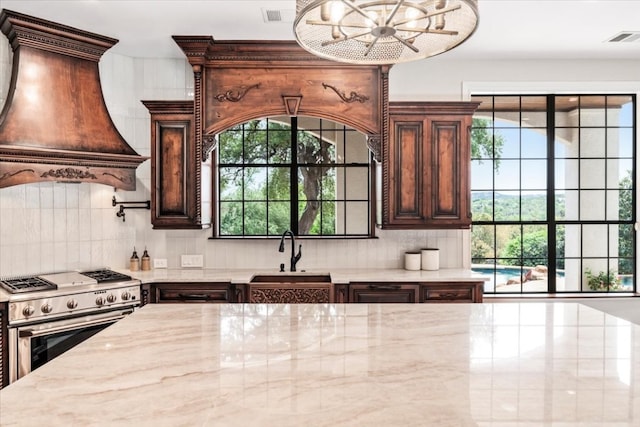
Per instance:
x=452, y=292
x=191, y=292
x=426, y=166
x=176, y=170
x=304, y=293
x=383, y=293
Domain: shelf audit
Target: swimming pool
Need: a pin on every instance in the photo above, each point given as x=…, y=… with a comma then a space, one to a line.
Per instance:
x=505, y=273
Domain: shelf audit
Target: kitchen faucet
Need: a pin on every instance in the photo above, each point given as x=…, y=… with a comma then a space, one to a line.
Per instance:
x=294, y=258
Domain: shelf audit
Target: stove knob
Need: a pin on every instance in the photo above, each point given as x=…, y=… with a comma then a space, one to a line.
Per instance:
x=46, y=308
x=99, y=301
x=28, y=311
x=71, y=304
x=111, y=298
x=126, y=296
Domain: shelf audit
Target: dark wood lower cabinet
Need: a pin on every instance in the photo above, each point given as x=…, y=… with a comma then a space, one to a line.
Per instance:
x=191, y=293
x=449, y=292
x=384, y=292
x=313, y=293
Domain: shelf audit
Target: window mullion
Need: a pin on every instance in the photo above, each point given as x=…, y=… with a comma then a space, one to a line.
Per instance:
x=293, y=175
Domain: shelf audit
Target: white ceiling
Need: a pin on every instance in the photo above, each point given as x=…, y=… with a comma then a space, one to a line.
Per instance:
x=509, y=29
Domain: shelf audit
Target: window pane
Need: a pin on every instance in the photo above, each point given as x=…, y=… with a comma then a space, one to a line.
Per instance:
x=355, y=149
x=231, y=218
x=482, y=175
x=620, y=142
x=511, y=145
x=565, y=106
x=534, y=144
x=255, y=218
x=592, y=112
x=534, y=175
x=566, y=172
x=358, y=179
x=594, y=240
x=482, y=205
x=572, y=205
x=254, y=183
x=279, y=184
x=507, y=176
x=534, y=207
x=592, y=142
x=592, y=173
x=230, y=183
x=279, y=217
x=619, y=173
x=592, y=205
x=355, y=211
x=534, y=111
x=507, y=206
x=620, y=112
x=230, y=146
x=482, y=244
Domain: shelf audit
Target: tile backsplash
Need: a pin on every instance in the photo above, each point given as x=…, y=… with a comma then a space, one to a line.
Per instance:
x=49, y=227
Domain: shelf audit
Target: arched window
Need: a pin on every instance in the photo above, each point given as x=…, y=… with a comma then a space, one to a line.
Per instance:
x=309, y=175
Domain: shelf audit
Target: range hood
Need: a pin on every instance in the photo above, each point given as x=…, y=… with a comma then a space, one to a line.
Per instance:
x=55, y=125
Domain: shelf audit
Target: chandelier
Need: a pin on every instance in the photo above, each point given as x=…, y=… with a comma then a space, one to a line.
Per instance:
x=383, y=31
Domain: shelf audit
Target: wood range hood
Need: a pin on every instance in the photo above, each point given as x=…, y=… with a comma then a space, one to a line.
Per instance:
x=55, y=125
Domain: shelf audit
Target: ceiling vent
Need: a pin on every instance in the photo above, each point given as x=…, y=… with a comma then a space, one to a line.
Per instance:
x=278, y=15
x=625, y=37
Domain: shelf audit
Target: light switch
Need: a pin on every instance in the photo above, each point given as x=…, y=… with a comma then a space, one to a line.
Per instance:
x=189, y=261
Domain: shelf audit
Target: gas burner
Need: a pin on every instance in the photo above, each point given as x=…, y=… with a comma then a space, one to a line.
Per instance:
x=106, y=275
x=26, y=284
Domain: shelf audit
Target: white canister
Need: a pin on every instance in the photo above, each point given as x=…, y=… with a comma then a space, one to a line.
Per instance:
x=430, y=258
x=412, y=261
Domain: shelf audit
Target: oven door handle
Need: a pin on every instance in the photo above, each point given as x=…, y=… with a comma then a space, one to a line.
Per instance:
x=33, y=332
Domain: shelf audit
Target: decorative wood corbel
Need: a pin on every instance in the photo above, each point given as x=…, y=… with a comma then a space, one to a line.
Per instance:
x=374, y=144
x=209, y=143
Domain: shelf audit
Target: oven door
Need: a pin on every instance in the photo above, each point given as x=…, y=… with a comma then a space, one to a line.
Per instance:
x=31, y=346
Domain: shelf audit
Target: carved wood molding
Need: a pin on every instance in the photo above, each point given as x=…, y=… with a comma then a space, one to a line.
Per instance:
x=68, y=173
x=235, y=95
x=42, y=34
x=292, y=104
x=9, y=175
x=353, y=95
x=290, y=296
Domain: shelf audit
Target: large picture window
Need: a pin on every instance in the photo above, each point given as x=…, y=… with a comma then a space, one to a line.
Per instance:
x=309, y=175
x=553, y=193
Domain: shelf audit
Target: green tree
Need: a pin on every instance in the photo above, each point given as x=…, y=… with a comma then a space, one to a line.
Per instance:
x=528, y=248
x=486, y=142
x=625, y=231
x=249, y=195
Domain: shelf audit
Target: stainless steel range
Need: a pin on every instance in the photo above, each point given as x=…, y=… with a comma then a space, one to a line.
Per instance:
x=51, y=313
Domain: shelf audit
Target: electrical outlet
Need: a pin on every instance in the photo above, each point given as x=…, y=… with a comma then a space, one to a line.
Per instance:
x=188, y=261
x=159, y=263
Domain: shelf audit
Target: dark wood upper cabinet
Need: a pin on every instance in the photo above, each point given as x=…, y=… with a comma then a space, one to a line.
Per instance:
x=426, y=167
x=180, y=197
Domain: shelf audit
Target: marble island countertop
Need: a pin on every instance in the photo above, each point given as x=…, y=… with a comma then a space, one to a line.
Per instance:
x=338, y=276
x=463, y=365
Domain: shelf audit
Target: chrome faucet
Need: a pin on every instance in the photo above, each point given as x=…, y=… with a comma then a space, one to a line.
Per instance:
x=294, y=258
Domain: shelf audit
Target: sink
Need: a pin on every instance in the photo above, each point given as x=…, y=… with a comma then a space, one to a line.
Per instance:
x=301, y=277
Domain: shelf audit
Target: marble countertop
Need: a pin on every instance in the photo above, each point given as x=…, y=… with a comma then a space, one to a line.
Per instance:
x=463, y=365
x=338, y=276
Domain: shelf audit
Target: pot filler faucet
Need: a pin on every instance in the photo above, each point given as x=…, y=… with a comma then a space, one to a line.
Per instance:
x=294, y=258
